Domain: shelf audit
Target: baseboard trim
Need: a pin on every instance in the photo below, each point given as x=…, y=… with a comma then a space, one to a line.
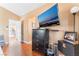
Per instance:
x=30, y=42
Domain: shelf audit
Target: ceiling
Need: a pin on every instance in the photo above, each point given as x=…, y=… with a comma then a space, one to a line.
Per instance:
x=21, y=9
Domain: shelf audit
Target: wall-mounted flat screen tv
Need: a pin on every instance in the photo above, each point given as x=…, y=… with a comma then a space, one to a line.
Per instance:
x=49, y=17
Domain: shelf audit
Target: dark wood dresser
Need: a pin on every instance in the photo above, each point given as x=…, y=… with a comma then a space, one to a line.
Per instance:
x=40, y=40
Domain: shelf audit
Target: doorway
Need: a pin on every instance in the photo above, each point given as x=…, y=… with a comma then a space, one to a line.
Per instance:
x=14, y=38
x=15, y=29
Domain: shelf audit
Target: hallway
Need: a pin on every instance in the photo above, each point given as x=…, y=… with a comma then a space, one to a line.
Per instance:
x=15, y=48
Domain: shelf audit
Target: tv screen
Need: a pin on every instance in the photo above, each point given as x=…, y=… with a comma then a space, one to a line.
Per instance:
x=49, y=17
x=71, y=36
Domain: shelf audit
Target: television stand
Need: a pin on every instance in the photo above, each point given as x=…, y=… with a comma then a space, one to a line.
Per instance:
x=69, y=49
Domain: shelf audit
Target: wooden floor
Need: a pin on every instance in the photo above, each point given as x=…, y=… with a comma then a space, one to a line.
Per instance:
x=35, y=53
x=5, y=50
x=15, y=48
x=26, y=50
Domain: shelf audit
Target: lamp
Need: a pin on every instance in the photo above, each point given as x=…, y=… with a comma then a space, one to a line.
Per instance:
x=74, y=10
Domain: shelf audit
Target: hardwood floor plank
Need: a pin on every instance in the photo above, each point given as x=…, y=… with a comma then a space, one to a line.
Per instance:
x=26, y=50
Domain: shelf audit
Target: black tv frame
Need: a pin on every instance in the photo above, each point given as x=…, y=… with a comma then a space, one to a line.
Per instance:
x=75, y=35
x=49, y=22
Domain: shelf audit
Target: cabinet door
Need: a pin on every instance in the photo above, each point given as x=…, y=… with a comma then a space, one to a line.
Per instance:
x=34, y=38
x=40, y=40
x=33, y=45
x=34, y=34
x=69, y=49
x=60, y=46
x=46, y=39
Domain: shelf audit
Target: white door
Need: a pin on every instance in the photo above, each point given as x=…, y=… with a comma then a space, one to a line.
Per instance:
x=15, y=29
